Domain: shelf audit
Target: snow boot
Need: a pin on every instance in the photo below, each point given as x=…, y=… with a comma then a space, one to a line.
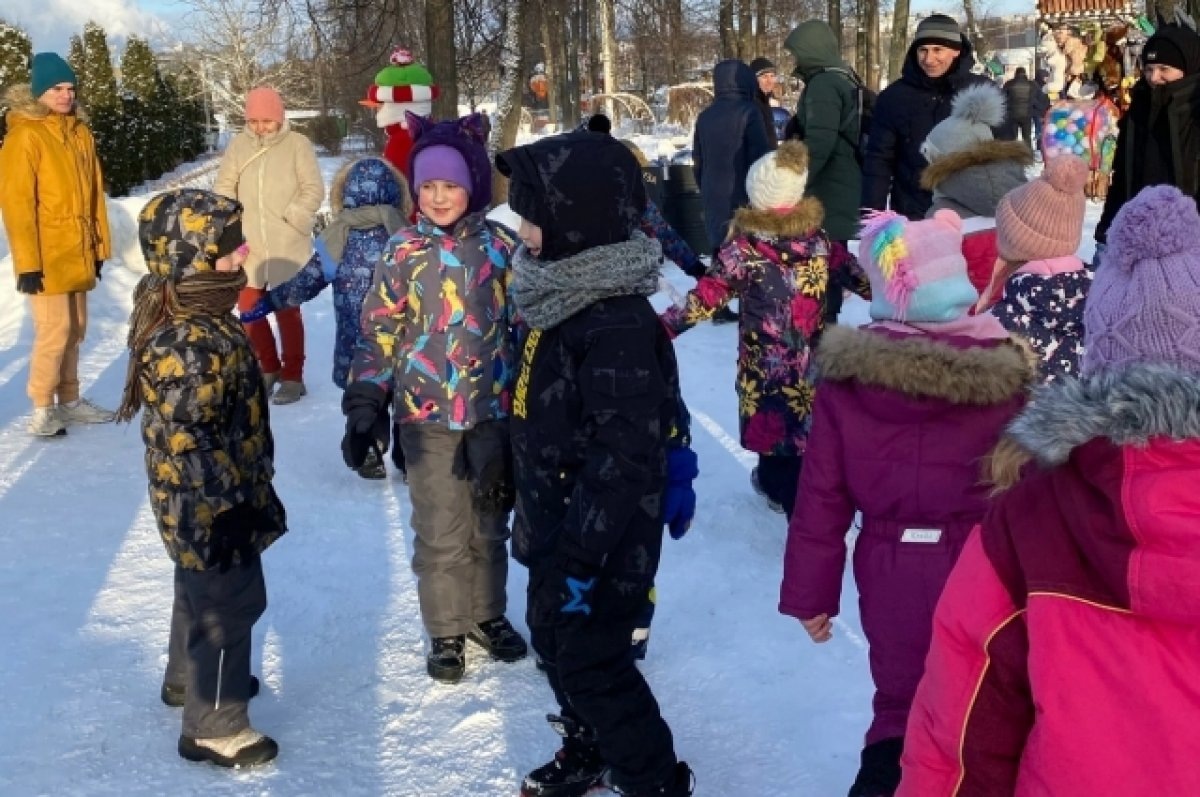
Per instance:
x=681, y=783
x=499, y=639
x=289, y=392
x=243, y=749
x=83, y=411
x=372, y=467
x=772, y=504
x=46, y=422
x=269, y=382
x=176, y=696
x=576, y=769
x=447, y=659
x=879, y=774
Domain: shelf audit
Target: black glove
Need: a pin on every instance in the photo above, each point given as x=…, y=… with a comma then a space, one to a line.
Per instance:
x=230, y=535
x=99, y=265
x=361, y=404
x=30, y=282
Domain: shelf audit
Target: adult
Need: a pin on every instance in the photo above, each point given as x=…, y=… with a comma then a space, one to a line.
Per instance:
x=937, y=66
x=1039, y=106
x=730, y=135
x=767, y=76
x=827, y=121
x=1159, y=139
x=1018, y=93
x=52, y=199
x=272, y=170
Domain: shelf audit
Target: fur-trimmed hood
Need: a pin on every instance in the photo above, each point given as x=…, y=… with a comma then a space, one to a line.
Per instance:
x=23, y=106
x=972, y=181
x=1127, y=407
x=337, y=188
x=981, y=154
x=925, y=366
x=801, y=221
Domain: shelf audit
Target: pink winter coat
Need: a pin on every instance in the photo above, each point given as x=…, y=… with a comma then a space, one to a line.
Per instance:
x=1066, y=646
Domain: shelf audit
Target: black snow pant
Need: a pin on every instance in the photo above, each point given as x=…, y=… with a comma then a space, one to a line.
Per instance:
x=209, y=648
x=460, y=486
x=591, y=668
x=779, y=478
x=1025, y=127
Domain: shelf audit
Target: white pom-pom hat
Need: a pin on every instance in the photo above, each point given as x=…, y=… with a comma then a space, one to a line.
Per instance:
x=973, y=113
x=776, y=181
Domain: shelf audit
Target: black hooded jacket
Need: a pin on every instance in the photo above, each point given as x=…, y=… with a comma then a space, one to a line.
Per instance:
x=1159, y=139
x=731, y=134
x=904, y=114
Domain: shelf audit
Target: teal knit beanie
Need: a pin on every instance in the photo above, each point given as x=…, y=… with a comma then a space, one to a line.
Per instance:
x=49, y=69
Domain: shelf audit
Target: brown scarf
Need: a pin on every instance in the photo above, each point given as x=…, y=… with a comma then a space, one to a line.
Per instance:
x=157, y=301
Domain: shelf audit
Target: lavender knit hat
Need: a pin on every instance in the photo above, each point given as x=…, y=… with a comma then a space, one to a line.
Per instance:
x=1144, y=304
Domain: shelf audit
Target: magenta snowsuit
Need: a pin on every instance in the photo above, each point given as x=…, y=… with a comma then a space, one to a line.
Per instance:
x=901, y=425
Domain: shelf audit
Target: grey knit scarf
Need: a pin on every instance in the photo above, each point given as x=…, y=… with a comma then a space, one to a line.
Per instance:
x=334, y=236
x=549, y=292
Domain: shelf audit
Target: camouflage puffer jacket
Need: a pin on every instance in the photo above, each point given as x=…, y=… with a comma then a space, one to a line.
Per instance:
x=208, y=440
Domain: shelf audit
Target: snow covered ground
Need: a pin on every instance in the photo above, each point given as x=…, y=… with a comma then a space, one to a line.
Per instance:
x=85, y=593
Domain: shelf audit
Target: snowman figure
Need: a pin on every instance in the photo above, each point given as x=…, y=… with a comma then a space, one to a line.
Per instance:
x=404, y=86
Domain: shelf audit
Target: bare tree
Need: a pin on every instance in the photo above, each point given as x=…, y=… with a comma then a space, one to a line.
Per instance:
x=439, y=56
x=899, y=43
x=508, y=110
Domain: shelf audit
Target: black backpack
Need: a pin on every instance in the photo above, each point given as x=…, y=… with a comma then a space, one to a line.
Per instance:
x=864, y=97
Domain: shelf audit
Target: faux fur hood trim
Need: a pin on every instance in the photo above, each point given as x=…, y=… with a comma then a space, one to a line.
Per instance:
x=981, y=154
x=21, y=103
x=337, y=188
x=925, y=367
x=1127, y=407
x=802, y=220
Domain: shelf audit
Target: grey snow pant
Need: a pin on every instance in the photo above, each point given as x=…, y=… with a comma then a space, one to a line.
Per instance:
x=460, y=485
x=209, y=648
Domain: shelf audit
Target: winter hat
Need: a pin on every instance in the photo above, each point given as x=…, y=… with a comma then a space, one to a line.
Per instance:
x=47, y=71
x=264, y=102
x=916, y=268
x=1044, y=217
x=1144, y=303
x=183, y=232
x=760, y=65
x=1160, y=49
x=440, y=162
x=369, y=182
x=402, y=87
x=939, y=29
x=973, y=113
x=776, y=180
x=472, y=169
x=582, y=189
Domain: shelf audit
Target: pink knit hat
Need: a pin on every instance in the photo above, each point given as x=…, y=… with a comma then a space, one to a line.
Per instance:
x=1043, y=218
x=264, y=102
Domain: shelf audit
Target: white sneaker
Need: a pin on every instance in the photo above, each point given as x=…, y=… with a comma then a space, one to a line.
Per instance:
x=83, y=411
x=45, y=422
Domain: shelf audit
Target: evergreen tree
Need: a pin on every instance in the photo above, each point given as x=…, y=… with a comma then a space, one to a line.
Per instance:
x=145, y=119
x=15, y=52
x=138, y=69
x=75, y=54
x=98, y=85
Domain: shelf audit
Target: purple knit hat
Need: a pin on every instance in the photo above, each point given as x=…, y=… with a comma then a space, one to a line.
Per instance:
x=1144, y=303
x=464, y=135
x=441, y=162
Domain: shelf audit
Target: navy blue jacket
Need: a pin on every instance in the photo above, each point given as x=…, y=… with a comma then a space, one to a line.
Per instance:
x=904, y=114
x=730, y=136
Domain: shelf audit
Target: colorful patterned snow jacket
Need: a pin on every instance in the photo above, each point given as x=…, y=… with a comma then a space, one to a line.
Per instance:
x=1043, y=303
x=780, y=266
x=1065, y=645
x=359, y=187
x=436, y=324
x=901, y=427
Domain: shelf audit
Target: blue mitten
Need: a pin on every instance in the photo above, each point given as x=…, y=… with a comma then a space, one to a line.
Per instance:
x=261, y=309
x=680, y=498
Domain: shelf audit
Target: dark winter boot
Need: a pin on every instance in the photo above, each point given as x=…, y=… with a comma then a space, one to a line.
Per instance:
x=576, y=768
x=372, y=467
x=879, y=774
x=447, y=659
x=500, y=639
x=681, y=783
x=176, y=696
x=243, y=749
x=774, y=505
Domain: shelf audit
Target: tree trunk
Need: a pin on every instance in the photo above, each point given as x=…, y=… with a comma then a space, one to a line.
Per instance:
x=675, y=44
x=608, y=36
x=507, y=119
x=872, y=42
x=571, y=79
x=745, y=30
x=549, y=58
x=834, y=9
x=440, y=56
x=728, y=34
x=899, y=44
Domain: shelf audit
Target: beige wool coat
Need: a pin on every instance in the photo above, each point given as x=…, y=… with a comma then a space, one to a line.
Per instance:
x=278, y=181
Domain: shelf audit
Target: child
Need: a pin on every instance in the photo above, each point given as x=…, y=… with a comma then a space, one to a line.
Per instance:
x=1065, y=645
x=969, y=171
x=208, y=457
x=907, y=408
x=436, y=334
x=1044, y=285
x=370, y=201
x=595, y=400
x=779, y=261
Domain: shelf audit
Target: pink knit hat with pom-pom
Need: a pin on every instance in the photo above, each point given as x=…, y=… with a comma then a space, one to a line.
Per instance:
x=1044, y=218
x=1144, y=303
